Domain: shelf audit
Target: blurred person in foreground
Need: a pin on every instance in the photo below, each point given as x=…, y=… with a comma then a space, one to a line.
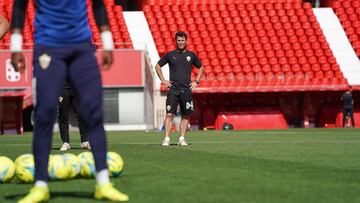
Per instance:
x=63, y=49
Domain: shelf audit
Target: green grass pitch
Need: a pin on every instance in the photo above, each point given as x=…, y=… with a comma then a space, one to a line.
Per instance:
x=299, y=165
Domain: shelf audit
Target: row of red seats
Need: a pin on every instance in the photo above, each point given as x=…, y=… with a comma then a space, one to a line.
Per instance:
x=300, y=54
x=240, y=40
x=269, y=68
x=290, y=14
x=270, y=75
x=264, y=64
x=296, y=54
x=223, y=8
x=286, y=28
x=348, y=13
x=230, y=25
x=317, y=73
x=182, y=2
x=272, y=82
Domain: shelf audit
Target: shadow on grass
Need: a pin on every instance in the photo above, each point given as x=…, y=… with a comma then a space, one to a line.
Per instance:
x=176, y=145
x=54, y=195
x=58, y=149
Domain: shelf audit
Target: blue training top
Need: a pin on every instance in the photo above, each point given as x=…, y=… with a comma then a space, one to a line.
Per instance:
x=61, y=22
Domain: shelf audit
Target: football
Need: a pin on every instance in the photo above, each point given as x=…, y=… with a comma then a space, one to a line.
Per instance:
x=115, y=164
x=7, y=169
x=57, y=168
x=25, y=168
x=87, y=165
x=73, y=162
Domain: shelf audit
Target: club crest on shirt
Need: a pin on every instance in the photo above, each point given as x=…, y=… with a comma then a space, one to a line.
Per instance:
x=61, y=99
x=168, y=107
x=44, y=61
x=188, y=58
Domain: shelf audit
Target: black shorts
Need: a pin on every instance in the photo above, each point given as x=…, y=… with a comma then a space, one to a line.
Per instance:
x=348, y=111
x=182, y=97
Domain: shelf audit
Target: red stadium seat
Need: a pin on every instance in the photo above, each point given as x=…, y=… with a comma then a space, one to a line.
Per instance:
x=247, y=37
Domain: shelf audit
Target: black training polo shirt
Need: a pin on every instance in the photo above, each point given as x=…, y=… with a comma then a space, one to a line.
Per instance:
x=347, y=100
x=180, y=65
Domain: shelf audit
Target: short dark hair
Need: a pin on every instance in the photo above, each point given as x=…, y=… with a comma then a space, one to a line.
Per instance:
x=180, y=34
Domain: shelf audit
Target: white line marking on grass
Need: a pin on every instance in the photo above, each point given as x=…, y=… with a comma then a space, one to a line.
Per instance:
x=278, y=142
x=287, y=132
x=246, y=142
x=267, y=132
x=16, y=145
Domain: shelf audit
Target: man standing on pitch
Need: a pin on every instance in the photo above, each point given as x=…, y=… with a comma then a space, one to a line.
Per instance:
x=348, y=103
x=180, y=85
x=63, y=49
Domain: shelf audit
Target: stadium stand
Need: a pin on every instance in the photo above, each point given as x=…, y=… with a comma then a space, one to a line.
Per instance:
x=267, y=62
x=348, y=13
x=249, y=45
x=264, y=47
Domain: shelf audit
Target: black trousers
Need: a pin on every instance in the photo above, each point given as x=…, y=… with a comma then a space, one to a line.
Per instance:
x=348, y=112
x=66, y=100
